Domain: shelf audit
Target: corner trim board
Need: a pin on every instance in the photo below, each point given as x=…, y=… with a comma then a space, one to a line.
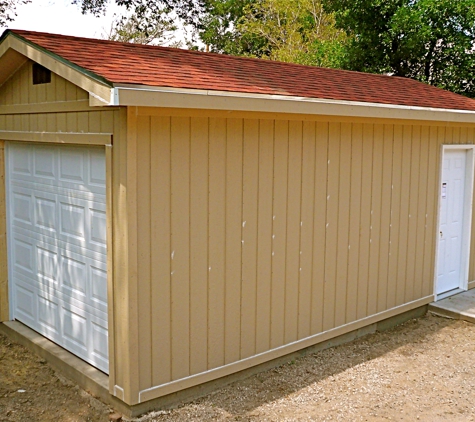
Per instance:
x=57, y=137
x=181, y=384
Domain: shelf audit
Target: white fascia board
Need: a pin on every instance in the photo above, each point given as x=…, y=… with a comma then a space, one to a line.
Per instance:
x=140, y=96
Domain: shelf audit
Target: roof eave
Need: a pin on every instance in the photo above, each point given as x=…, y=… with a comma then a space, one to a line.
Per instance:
x=147, y=96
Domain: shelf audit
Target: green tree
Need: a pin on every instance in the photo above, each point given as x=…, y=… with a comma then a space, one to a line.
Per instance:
x=429, y=40
x=297, y=31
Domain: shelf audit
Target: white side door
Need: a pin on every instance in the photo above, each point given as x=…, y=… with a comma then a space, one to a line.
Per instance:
x=453, y=221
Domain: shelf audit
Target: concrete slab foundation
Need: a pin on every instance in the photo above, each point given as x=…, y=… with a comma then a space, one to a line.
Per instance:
x=460, y=306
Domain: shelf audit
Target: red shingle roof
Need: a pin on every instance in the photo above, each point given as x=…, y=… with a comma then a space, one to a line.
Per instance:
x=170, y=67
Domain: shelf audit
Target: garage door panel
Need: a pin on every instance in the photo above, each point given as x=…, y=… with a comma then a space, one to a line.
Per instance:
x=99, y=343
x=23, y=254
x=26, y=309
x=72, y=167
x=45, y=163
x=98, y=279
x=57, y=245
x=47, y=267
x=73, y=221
x=22, y=209
x=48, y=314
x=46, y=214
x=74, y=278
x=21, y=162
x=97, y=174
x=75, y=329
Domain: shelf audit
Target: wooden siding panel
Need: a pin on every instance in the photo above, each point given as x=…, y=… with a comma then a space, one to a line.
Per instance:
x=386, y=206
x=160, y=173
x=344, y=200
x=279, y=234
x=395, y=212
x=331, y=236
x=422, y=215
x=375, y=225
x=307, y=232
x=249, y=237
x=199, y=220
x=319, y=224
x=413, y=188
x=264, y=235
x=234, y=157
x=292, y=265
x=404, y=214
x=180, y=256
x=365, y=221
x=144, y=247
x=355, y=216
x=217, y=241
x=436, y=137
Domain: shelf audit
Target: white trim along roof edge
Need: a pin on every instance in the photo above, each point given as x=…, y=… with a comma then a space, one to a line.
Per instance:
x=149, y=96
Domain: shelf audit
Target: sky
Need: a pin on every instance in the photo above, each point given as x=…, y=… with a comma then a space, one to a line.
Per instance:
x=62, y=17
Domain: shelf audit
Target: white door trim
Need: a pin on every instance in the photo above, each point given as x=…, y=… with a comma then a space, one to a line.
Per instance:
x=467, y=208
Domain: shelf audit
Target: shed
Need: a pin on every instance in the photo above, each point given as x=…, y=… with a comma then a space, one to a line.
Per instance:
x=173, y=217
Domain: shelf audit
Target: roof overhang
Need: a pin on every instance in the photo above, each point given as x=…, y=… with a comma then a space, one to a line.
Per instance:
x=144, y=96
x=15, y=51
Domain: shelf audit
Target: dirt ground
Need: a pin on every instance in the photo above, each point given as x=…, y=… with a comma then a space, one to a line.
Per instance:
x=423, y=370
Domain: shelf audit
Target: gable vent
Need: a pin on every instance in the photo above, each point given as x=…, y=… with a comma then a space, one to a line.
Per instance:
x=41, y=75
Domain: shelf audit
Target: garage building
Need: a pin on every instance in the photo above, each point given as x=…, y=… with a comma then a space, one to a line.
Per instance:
x=173, y=217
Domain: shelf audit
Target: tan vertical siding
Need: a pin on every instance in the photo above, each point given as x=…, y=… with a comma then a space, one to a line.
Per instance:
x=365, y=222
x=217, y=241
x=264, y=235
x=199, y=218
x=234, y=157
x=343, y=246
x=331, y=236
x=292, y=264
x=160, y=169
x=257, y=233
x=307, y=230
x=180, y=255
x=319, y=225
x=354, y=223
x=249, y=237
x=279, y=232
x=386, y=206
x=144, y=248
x=375, y=219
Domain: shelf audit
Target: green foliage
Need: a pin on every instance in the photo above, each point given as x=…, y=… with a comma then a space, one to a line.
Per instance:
x=429, y=40
x=297, y=31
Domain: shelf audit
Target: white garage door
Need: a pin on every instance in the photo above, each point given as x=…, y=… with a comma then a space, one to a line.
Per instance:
x=56, y=217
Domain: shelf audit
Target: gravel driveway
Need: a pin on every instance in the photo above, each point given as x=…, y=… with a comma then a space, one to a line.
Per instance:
x=421, y=370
